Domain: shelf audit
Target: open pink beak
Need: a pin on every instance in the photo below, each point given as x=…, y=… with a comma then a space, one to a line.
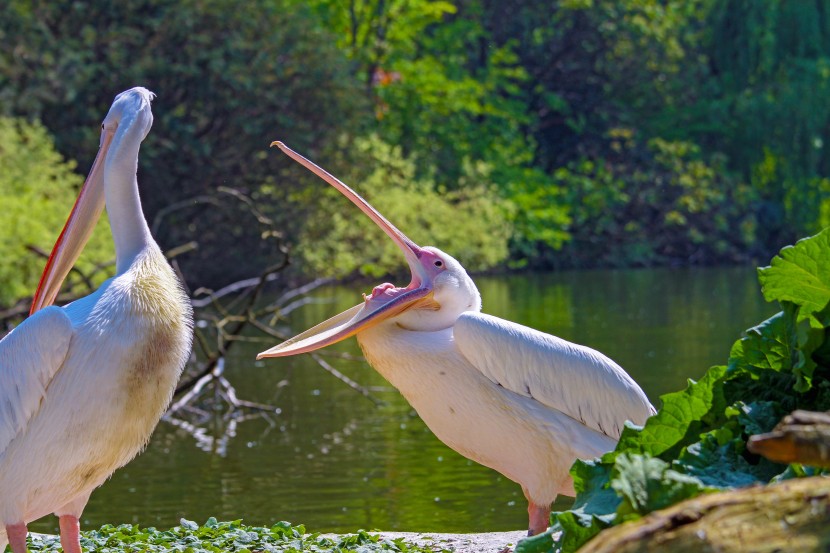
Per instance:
x=384, y=302
x=76, y=232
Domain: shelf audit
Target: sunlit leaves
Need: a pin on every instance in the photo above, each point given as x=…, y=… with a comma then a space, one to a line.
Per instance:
x=799, y=278
x=373, y=31
x=654, y=201
x=766, y=346
x=682, y=413
x=800, y=274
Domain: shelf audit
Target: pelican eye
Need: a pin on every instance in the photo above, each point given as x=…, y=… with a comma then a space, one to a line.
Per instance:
x=438, y=263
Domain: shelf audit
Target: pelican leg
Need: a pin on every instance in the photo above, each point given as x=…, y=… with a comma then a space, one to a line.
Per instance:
x=70, y=525
x=17, y=536
x=539, y=516
x=70, y=534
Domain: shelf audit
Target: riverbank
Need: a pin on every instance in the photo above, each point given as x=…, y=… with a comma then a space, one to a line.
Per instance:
x=234, y=536
x=487, y=542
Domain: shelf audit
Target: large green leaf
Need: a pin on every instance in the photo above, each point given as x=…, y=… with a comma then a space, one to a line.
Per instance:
x=647, y=484
x=800, y=274
x=680, y=415
x=723, y=466
x=767, y=346
x=784, y=342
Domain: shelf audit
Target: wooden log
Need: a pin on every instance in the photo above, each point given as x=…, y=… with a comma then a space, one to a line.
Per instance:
x=791, y=516
x=801, y=437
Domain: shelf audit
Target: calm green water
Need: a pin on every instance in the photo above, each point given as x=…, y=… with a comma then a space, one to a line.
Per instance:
x=334, y=461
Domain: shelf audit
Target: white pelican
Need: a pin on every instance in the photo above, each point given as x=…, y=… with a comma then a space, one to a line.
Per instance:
x=522, y=402
x=82, y=386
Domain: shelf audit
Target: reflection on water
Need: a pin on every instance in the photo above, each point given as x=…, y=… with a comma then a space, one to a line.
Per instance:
x=332, y=460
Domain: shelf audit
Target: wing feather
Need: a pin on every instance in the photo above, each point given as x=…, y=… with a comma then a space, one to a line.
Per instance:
x=576, y=380
x=30, y=356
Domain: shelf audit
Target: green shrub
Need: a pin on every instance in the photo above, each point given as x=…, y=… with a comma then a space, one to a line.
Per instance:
x=662, y=202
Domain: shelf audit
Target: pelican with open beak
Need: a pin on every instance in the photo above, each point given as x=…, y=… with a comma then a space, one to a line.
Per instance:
x=517, y=400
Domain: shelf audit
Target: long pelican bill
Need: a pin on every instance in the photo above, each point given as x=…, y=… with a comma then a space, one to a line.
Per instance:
x=385, y=301
x=350, y=322
x=76, y=232
x=409, y=248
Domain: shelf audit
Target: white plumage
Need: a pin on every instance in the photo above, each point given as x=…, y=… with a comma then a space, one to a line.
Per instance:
x=83, y=386
x=573, y=379
x=27, y=365
x=520, y=401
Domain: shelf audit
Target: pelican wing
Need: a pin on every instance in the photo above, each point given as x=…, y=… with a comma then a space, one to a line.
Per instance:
x=30, y=356
x=576, y=380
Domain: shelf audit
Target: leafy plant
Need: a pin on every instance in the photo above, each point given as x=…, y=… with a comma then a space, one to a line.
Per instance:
x=222, y=537
x=696, y=443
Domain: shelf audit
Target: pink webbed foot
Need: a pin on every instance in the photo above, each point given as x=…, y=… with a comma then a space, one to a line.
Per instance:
x=17, y=536
x=70, y=534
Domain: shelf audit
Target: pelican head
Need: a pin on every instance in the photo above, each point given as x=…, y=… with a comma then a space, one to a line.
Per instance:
x=439, y=290
x=131, y=107
x=453, y=292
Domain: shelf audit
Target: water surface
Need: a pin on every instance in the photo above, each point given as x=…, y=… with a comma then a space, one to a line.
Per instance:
x=334, y=461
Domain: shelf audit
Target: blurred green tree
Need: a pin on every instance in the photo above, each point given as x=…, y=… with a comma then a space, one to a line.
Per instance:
x=230, y=77
x=771, y=62
x=453, y=100
x=519, y=104
x=655, y=203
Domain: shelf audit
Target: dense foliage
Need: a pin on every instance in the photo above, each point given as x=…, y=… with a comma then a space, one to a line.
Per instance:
x=586, y=132
x=697, y=441
x=37, y=190
x=230, y=77
x=413, y=203
x=222, y=537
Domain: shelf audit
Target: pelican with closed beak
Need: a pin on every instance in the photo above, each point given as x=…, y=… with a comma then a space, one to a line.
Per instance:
x=83, y=386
